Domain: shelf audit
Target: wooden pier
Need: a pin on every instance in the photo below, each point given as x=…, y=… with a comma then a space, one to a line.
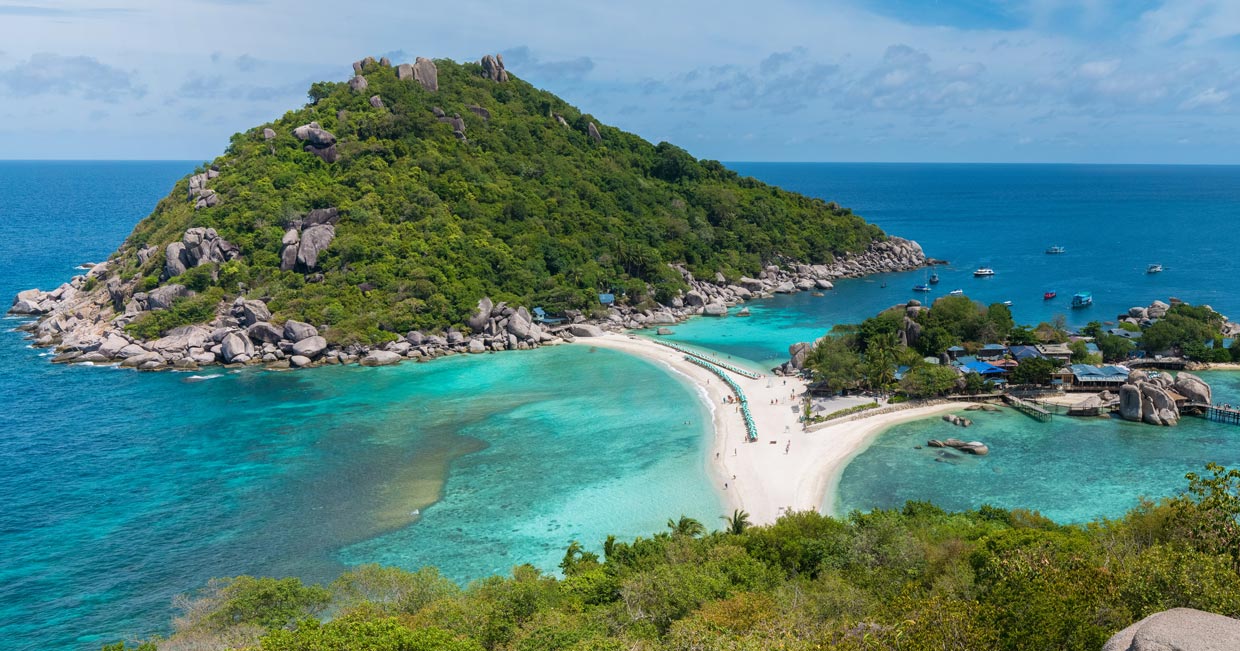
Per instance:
x=1028, y=408
x=1223, y=414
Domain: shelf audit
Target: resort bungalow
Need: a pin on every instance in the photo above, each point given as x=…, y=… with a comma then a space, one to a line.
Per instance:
x=1021, y=353
x=992, y=351
x=984, y=369
x=1063, y=377
x=1086, y=375
x=954, y=352
x=1057, y=352
x=541, y=316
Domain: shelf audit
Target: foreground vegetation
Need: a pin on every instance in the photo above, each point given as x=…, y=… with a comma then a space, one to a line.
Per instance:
x=912, y=579
x=527, y=210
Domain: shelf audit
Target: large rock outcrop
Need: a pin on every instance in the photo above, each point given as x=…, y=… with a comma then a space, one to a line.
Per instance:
x=319, y=141
x=198, y=246
x=422, y=70
x=1194, y=388
x=493, y=68
x=306, y=238
x=1178, y=629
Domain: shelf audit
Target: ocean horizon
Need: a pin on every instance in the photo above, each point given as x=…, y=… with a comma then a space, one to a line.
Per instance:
x=125, y=489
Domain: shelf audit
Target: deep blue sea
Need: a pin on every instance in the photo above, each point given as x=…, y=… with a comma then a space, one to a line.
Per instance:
x=119, y=490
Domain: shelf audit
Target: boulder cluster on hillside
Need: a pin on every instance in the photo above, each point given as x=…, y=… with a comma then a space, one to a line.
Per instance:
x=88, y=325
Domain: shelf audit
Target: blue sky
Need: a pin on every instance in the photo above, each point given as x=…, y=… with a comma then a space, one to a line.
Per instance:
x=1141, y=81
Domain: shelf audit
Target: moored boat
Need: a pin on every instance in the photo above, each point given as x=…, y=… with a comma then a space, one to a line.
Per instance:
x=1007, y=303
x=934, y=279
x=1083, y=299
x=983, y=272
x=956, y=292
x=921, y=288
x=1055, y=250
x=1153, y=269
x=1048, y=295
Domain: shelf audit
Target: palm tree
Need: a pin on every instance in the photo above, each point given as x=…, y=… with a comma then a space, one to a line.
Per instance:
x=686, y=526
x=737, y=523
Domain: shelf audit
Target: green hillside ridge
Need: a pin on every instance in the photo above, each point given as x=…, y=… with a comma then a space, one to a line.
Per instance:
x=912, y=579
x=527, y=208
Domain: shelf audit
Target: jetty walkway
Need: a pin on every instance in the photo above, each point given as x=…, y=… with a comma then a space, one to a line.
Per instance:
x=1227, y=414
x=1027, y=408
x=751, y=430
x=707, y=358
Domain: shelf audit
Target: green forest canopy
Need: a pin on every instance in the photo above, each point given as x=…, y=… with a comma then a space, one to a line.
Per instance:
x=913, y=579
x=527, y=210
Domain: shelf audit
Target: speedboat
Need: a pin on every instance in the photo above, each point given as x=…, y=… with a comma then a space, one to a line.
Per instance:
x=1153, y=269
x=956, y=292
x=1055, y=250
x=1048, y=295
x=983, y=272
x=934, y=279
x=1083, y=299
x=1007, y=303
x=921, y=288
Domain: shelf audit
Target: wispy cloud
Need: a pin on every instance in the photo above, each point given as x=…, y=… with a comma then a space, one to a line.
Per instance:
x=53, y=74
x=522, y=62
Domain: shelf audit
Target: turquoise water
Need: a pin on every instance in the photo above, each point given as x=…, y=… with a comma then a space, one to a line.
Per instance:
x=1114, y=220
x=121, y=489
x=1072, y=470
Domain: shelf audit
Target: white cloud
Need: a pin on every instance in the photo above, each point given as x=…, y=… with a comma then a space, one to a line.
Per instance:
x=1210, y=97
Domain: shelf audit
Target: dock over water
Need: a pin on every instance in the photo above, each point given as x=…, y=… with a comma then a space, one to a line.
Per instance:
x=1027, y=408
x=1223, y=414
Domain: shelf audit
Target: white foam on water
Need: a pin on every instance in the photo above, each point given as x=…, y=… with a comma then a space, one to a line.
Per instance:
x=201, y=378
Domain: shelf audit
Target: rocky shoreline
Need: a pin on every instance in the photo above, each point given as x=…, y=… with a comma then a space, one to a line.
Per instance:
x=84, y=319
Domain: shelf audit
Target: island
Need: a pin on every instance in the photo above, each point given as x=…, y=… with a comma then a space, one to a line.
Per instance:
x=431, y=208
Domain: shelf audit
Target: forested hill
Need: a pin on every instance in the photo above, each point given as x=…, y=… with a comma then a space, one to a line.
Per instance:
x=396, y=200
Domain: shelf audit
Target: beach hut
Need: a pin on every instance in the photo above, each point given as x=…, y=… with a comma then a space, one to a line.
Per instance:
x=541, y=316
x=992, y=351
x=1087, y=375
x=985, y=369
x=954, y=352
x=1057, y=352
x=1021, y=353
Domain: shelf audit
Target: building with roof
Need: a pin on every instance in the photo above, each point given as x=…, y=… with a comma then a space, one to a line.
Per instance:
x=1089, y=375
x=954, y=352
x=1057, y=352
x=1021, y=353
x=992, y=351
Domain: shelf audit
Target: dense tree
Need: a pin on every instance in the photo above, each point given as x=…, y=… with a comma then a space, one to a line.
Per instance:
x=1035, y=370
x=524, y=210
x=929, y=380
x=912, y=579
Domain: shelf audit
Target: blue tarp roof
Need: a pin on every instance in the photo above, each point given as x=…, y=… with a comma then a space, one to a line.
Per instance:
x=900, y=372
x=1024, y=352
x=994, y=347
x=1087, y=372
x=982, y=368
x=1092, y=347
x=956, y=348
x=607, y=299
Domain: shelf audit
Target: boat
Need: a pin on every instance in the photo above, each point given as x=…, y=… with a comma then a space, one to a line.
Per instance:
x=921, y=288
x=984, y=272
x=1007, y=303
x=1153, y=269
x=1048, y=295
x=956, y=292
x=1082, y=299
x=934, y=279
x=1055, y=250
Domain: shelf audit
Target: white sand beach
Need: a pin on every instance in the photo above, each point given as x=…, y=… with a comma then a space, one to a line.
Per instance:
x=787, y=468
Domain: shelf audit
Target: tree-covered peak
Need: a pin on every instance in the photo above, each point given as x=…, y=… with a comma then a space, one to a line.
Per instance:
x=451, y=181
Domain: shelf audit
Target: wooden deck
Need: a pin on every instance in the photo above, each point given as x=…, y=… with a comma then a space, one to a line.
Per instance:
x=1223, y=415
x=1028, y=408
